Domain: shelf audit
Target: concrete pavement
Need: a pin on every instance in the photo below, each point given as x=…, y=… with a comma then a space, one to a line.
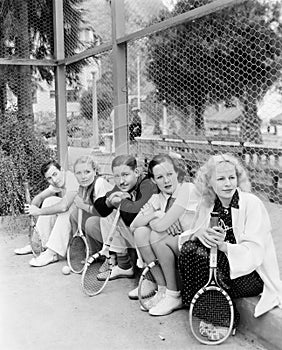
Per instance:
x=43, y=309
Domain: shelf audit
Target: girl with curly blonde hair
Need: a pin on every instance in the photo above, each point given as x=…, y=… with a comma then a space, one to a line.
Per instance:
x=247, y=264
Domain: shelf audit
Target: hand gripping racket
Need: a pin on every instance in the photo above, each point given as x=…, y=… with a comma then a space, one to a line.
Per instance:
x=211, y=313
x=33, y=234
x=146, y=284
x=90, y=283
x=78, y=249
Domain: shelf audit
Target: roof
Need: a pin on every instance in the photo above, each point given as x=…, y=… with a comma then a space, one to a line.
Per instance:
x=277, y=120
x=228, y=115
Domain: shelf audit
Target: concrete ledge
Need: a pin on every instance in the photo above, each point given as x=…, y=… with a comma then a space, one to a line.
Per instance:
x=266, y=329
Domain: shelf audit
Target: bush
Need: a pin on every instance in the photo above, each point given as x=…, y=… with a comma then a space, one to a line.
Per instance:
x=22, y=153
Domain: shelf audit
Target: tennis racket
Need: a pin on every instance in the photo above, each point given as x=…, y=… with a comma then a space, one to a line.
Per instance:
x=78, y=249
x=33, y=234
x=146, y=281
x=211, y=313
x=91, y=285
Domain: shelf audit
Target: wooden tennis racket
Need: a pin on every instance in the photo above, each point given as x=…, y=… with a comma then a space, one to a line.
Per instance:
x=211, y=314
x=78, y=248
x=33, y=234
x=91, y=285
x=145, y=293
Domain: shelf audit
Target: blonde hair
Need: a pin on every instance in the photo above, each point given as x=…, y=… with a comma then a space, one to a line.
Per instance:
x=204, y=174
x=87, y=160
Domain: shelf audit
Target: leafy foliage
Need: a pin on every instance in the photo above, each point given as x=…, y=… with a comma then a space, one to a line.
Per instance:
x=233, y=54
x=26, y=29
x=104, y=103
x=21, y=154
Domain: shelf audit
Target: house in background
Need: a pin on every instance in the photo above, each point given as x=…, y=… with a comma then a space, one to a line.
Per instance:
x=222, y=121
x=275, y=125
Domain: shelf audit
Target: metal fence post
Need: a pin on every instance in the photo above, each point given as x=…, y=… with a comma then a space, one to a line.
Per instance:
x=120, y=79
x=60, y=84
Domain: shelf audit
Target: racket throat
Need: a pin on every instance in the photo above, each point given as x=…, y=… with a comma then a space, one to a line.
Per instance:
x=213, y=276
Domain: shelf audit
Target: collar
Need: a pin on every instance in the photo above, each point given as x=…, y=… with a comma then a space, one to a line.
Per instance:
x=136, y=186
x=175, y=193
x=234, y=203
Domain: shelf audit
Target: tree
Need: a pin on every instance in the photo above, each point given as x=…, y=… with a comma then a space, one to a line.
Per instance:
x=230, y=56
x=104, y=102
x=26, y=32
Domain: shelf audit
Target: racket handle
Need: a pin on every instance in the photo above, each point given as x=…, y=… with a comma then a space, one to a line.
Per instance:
x=79, y=218
x=213, y=252
x=27, y=193
x=214, y=219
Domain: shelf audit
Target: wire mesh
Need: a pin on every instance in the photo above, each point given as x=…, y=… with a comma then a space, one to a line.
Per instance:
x=211, y=84
x=139, y=13
x=209, y=81
x=90, y=116
x=98, y=14
x=26, y=34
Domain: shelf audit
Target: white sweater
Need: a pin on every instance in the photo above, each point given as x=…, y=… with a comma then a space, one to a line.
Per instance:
x=254, y=249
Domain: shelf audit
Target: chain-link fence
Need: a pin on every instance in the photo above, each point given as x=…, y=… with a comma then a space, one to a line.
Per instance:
x=205, y=86
x=202, y=77
x=26, y=30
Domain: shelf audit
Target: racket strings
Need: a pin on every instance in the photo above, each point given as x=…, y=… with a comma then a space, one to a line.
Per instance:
x=90, y=283
x=77, y=254
x=211, y=316
x=147, y=289
x=147, y=280
x=35, y=242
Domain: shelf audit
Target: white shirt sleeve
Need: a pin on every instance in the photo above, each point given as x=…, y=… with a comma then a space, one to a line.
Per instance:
x=245, y=256
x=102, y=186
x=188, y=197
x=71, y=184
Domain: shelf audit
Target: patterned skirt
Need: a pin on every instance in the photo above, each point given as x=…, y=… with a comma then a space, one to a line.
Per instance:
x=194, y=272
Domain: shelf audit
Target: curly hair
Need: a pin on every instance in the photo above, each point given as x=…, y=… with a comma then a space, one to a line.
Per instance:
x=205, y=172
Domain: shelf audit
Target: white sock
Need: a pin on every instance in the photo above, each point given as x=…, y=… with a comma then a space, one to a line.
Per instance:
x=173, y=293
x=50, y=252
x=162, y=289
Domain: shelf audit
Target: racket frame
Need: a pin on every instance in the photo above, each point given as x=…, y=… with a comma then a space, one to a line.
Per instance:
x=212, y=284
x=36, y=252
x=32, y=224
x=79, y=233
x=103, y=253
x=147, y=269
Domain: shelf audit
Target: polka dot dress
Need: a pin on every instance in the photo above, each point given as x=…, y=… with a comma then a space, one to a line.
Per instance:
x=194, y=265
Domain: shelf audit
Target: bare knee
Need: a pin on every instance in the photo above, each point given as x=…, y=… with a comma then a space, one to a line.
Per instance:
x=92, y=226
x=142, y=236
x=156, y=238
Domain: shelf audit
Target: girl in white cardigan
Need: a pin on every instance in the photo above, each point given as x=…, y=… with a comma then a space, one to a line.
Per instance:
x=247, y=263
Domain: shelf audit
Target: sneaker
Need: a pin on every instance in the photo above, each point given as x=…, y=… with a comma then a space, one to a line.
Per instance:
x=117, y=272
x=166, y=306
x=150, y=303
x=105, y=266
x=24, y=250
x=217, y=333
x=205, y=328
x=149, y=288
x=44, y=259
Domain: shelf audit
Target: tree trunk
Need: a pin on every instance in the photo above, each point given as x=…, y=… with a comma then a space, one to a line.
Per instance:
x=199, y=120
x=24, y=81
x=3, y=94
x=250, y=122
